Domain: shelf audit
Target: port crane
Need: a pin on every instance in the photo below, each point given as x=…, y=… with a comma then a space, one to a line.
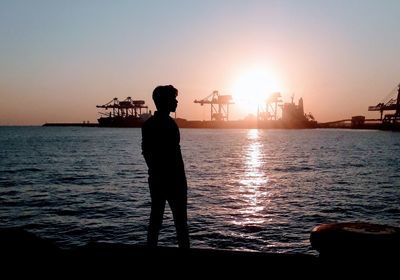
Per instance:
x=219, y=105
x=390, y=103
x=270, y=111
x=125, y=108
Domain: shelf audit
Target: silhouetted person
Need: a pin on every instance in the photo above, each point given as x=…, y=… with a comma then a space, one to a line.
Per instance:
x=167, y=179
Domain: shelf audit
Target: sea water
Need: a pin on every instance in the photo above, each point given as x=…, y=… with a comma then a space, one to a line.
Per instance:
x=261, y=190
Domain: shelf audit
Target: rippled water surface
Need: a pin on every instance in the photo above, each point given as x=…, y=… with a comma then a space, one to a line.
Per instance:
x=260, y=190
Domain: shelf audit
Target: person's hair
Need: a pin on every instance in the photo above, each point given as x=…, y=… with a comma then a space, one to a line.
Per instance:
x=162, y=94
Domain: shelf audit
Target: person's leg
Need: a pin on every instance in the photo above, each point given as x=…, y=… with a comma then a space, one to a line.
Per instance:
x=156, y=218
x=178, y=206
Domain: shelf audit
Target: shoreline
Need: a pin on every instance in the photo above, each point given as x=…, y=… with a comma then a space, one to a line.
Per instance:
x=246, y=125
x=20, y=248
x=242, y=125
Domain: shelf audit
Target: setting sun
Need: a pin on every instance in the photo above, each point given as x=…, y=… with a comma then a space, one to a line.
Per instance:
x=253, y=87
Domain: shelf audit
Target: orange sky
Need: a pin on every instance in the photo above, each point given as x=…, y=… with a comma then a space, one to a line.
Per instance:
x=59, y=60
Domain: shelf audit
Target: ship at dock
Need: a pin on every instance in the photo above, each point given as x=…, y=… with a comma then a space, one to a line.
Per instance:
x=272, y=114
x=126, y=113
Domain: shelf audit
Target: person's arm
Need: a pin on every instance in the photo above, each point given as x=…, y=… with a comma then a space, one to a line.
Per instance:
x=146, y=146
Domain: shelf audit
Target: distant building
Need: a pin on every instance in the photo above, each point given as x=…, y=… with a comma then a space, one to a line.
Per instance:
x=357, y=121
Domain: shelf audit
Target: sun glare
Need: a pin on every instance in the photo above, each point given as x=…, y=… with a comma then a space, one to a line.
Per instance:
x=252, y=88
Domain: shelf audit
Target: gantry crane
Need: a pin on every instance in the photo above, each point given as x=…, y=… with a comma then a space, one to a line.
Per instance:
x=219, y=105
x=126, y=108
x=270, y=112
x=390, y=103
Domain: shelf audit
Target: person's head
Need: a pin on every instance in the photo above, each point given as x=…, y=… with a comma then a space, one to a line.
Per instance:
x=165, y=98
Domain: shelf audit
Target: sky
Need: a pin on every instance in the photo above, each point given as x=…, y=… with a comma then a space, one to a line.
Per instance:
x=59, y=59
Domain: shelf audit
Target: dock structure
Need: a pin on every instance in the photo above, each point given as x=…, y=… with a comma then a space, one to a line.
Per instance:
x=219, y=105
x=292, y=114
x=389, y=121
x=126, y=113
x=125, y=108
x=269, y=110
x=356, y=122
x=390, y=103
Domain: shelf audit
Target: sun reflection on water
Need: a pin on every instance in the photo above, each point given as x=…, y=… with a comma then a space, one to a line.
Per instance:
x=252, y=190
